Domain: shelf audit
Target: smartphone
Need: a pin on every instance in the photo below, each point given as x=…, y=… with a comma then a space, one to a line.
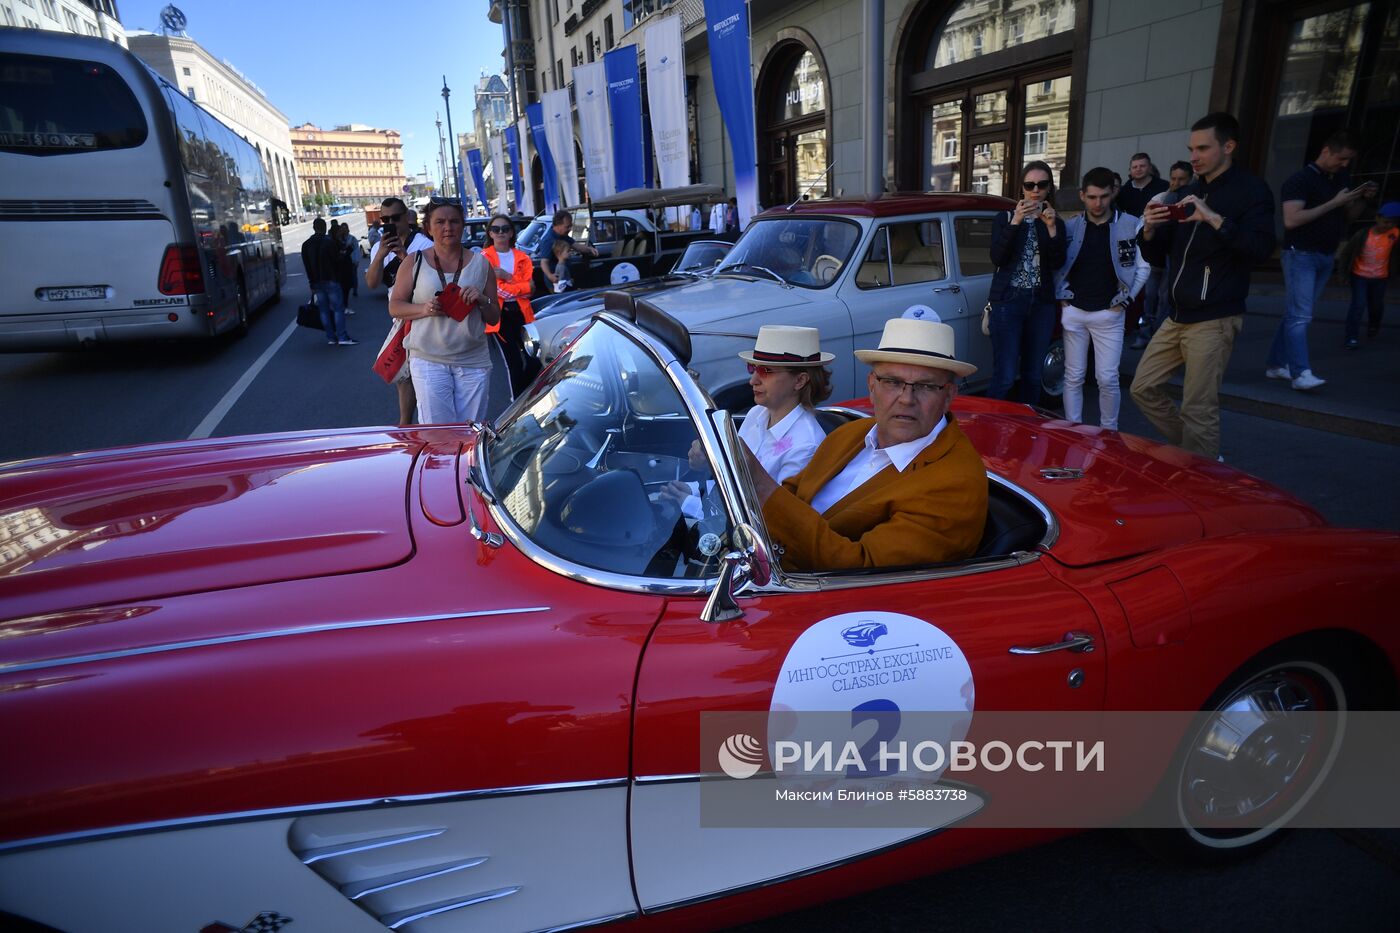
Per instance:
x=1176, y=211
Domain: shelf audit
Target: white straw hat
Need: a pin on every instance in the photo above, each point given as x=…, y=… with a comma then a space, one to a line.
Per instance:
x=783, y=345
x=917, y=343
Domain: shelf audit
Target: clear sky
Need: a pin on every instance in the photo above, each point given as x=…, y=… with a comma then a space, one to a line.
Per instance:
x=350, y=61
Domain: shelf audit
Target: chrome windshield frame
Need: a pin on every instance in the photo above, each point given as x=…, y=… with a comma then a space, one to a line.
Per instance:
x=720, y=441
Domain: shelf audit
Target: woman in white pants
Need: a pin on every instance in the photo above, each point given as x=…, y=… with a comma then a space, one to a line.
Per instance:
x=447, y=299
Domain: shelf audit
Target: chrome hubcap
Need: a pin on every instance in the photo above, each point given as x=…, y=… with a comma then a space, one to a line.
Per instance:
x=1267, y=746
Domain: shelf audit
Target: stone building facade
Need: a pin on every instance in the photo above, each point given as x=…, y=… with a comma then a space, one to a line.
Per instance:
x=974, y=89
x=353, y=163
x=231, y=96
x=98, y=18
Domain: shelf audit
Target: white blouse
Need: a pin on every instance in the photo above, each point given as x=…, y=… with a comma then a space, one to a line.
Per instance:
x=784, y=448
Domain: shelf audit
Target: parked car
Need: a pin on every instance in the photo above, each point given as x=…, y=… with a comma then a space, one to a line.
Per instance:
x=624, y=229
x=843, y=266
x=699, y=260
x=402, y=677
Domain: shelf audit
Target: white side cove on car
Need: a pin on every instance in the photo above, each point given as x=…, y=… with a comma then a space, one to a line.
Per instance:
x=679, y=862
x=522, y=861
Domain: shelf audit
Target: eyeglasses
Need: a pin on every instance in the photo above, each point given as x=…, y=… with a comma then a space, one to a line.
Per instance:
x=1033, y=185
x=392, y=218
x=922, y=390
x=763, y=371
x=499, y=229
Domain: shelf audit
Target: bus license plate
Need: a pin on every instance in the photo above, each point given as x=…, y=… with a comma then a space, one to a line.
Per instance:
x=74, y=293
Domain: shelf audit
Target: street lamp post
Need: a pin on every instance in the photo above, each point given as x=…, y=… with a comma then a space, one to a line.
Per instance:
x=442, y=155
x=456, y=161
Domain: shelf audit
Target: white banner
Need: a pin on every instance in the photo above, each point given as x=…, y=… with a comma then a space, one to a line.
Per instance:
x=498, y=168
x=595, y=128
x=559, y=131
x=666, y=95
x=527, y=182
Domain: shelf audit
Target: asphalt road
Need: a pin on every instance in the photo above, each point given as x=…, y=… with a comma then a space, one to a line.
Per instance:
x=281, y=377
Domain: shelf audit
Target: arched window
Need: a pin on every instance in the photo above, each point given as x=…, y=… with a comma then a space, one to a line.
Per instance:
x=794, y=148
x=984, y=87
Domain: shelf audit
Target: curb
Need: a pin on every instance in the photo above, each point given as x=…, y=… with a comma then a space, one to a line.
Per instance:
x=1232, y=398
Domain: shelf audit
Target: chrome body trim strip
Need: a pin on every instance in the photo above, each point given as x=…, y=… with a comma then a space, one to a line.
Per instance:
x=667, y=778
x=254, y=636
x=394, y=921
x=276, y=813
x=596, y=921
x=311, y=856
x=370, y=886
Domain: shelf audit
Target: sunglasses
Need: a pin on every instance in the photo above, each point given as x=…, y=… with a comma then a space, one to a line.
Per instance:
x=1033, y=185
x=392, y=218
x=763, y=371
x=499, y=229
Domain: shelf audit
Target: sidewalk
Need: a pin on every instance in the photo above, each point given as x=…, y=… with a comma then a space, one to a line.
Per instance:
x=1362, y=394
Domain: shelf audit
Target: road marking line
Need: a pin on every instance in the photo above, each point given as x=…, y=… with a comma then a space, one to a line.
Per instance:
x=231, y=397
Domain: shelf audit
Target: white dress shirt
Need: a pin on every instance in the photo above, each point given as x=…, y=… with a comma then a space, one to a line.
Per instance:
x=784, y=448
x=869, y=461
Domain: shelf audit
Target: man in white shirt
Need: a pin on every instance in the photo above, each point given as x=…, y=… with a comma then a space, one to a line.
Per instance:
x=909, y=490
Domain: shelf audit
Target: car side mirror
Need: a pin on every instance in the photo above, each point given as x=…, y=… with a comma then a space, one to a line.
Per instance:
x=747, y=565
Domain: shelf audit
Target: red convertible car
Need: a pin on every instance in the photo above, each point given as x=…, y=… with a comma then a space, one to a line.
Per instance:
x=453, y=677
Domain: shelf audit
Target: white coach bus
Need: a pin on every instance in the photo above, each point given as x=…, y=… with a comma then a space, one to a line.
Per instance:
x=127, y=211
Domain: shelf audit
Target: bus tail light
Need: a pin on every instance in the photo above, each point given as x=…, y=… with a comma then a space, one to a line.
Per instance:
x=179, y=271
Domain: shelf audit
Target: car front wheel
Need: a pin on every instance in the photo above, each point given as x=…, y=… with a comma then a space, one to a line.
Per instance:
x=1253, y=760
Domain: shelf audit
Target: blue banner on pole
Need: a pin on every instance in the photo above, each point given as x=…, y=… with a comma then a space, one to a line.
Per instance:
x=728, y=24
x=551, y=180
x=478, y=176
x=625, y=102
x=517, y=170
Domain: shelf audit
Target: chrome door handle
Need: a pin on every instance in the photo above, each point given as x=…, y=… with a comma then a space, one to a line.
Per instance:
x=1077, y=642
x=949, y=288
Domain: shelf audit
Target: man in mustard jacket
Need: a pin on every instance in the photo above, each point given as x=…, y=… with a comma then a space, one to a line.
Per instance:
x=908, y=490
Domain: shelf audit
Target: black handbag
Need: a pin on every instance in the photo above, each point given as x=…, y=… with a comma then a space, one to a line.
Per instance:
x=308, y=315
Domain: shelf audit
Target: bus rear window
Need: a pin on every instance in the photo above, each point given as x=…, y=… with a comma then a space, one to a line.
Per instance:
x=52, y=106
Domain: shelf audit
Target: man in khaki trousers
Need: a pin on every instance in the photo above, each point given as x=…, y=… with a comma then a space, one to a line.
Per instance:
x=1220, y=227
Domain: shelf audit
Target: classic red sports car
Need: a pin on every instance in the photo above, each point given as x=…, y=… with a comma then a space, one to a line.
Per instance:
x=453, y=677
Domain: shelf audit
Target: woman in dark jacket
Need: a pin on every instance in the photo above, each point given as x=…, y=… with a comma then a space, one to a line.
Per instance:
x=1028, y=246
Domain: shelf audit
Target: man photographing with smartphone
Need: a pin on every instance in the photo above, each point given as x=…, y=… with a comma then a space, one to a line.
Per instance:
x=1318, y=203
x=397, y=241
x=1228, y=227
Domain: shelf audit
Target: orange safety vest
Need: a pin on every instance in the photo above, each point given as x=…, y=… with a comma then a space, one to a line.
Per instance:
x=518, y=287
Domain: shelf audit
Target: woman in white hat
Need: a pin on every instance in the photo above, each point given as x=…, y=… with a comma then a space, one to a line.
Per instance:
x=789, y=378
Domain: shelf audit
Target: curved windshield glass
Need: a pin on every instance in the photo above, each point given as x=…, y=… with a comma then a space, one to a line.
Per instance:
x=805, y=251
x=703, y=256
x=600, y=464
x=530, y=236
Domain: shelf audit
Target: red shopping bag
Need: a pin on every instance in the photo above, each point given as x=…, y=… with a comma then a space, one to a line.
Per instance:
x=392, y=356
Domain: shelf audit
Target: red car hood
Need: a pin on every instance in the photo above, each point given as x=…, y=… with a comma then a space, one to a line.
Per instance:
x=144, y=522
